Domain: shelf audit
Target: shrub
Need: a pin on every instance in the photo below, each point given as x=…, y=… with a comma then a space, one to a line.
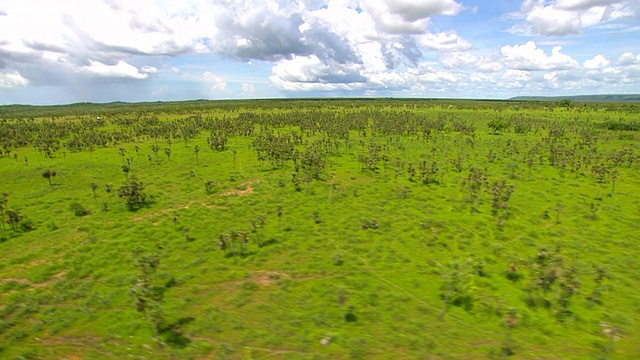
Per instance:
x=132, y=192
x=78, y=209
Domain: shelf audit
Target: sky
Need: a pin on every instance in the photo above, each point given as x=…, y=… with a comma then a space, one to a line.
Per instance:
x=66, y=51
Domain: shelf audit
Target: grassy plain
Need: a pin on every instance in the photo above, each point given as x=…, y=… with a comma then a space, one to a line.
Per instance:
x=354, y=251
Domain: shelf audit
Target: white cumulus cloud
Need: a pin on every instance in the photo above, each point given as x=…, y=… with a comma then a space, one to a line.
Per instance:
x=12, y=79
x=444, y=41
x=529, y=57
x=598, y=62
x=119, y=70
x=570, y=17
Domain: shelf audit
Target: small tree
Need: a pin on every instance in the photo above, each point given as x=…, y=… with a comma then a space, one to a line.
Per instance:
x=196, y=150
x=474, y=183
x=94, y=187
x=122, y=152
x=48, y=174
x=601, y=275
x=132, y=192
x=126, y=170
x=510, y=321
x=457, y=288
x=600, y=172
x=501, y=192
x=4, y=200
x=155, y=148
x=149, y=296
x=14, y=217
x=108, y=188
x=497, y=126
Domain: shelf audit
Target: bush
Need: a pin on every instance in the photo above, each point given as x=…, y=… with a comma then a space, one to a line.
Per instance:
x=133, y=194
x=27, y=225
x=369, y=224
x=78, y=209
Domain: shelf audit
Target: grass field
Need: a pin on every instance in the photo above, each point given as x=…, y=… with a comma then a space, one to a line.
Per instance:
x=321, y=229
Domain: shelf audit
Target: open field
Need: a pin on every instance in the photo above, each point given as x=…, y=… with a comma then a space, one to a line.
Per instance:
x=320, y=229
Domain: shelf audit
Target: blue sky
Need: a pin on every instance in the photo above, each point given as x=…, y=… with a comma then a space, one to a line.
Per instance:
x=54, y=52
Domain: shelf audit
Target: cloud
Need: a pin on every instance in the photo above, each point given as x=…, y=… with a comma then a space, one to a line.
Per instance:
x=149, y=69
x=119, y=70
x=583, y=4
x=407, y=16
x=444, y=41
x=549, y=20
x=629, y=59
x=598, y=62
x=529, y=57
x=457, y=60
x=310, y=72
x=147, y=48
x=217, y=82
x=248, y=89
x=570, y=17
x=12, y=79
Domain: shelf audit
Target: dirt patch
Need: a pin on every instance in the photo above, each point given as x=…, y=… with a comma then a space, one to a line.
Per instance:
x=268, y=277
x=248, y=189
x=18, y=280
x=55, y=278
x=176, y=209
x=244, y=192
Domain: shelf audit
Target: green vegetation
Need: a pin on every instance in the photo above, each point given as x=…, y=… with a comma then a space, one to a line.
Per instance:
x=320, y=229
x=584, y=98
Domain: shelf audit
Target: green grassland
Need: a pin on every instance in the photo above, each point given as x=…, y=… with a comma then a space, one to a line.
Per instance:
x=321, y=229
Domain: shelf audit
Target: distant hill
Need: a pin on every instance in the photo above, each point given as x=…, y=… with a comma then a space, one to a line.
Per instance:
x=584, y=98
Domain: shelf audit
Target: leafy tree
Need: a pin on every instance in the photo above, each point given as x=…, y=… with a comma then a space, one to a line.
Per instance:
x=4, y=200
x=510, y=321
x=155, y=148
x=78, y=209
x=148, y=295
x=108, y=188
x=48, y=174
x=209, y=186
x=122, y=152
x=256, y=225
x=474, y=184
x=94, y=187
x=196, y=150
x=457, y=288
x=600, y=276
x=501, y=192
x=13, y=218
x=601, y=172
x=497, y=126
x=132, y=192
x=126, y=170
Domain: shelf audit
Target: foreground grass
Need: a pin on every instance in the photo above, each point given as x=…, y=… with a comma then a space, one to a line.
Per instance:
x=362, y=259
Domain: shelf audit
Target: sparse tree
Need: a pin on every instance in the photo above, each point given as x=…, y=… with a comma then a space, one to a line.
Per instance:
x=48, y=174
x=122, y=152
x=4, y=200
x=13, y=218
x=108, y=188
x=196, y=150
x=94, y=187
x=155, y=148
x=132, y=192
